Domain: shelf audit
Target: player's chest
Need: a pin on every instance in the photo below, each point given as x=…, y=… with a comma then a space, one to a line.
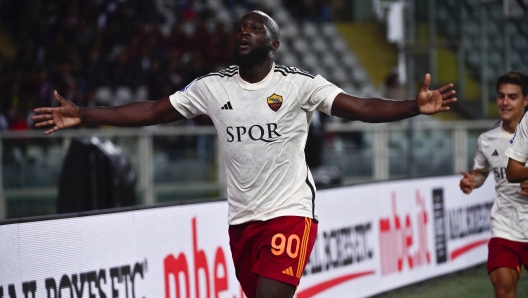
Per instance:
x=243, y=106
x=495, y=152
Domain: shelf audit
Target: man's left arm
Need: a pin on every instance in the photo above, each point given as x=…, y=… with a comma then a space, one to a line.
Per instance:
x=517, y=152
x=376, y=110
x=516, y=172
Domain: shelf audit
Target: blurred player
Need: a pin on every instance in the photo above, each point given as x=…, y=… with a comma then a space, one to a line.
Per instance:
x=509, y=220
x=261, y=112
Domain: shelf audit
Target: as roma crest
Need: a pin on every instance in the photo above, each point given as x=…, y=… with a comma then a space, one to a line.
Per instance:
x=275, y=102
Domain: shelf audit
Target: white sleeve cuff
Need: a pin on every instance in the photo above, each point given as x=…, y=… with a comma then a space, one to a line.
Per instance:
x=515, y=156
x=329, y=101
x=178, y=106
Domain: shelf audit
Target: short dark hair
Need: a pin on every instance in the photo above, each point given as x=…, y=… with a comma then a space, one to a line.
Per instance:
x=518, y=78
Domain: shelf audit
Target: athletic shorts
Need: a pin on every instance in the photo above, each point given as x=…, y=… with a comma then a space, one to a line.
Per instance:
x=277, y=249
x=506, y=253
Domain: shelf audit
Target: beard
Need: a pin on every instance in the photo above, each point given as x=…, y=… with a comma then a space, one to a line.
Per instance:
x=252, y=58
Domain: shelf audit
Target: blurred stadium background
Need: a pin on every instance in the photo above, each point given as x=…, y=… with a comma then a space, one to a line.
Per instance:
x=112, y=52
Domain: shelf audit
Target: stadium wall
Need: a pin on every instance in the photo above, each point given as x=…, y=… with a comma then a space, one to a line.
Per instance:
x=372, y=238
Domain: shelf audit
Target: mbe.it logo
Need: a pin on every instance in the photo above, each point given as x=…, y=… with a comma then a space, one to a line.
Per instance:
x=177, y=272
x=400, y=246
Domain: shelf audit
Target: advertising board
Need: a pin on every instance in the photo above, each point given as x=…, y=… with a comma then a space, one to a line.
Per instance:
x=371, y=238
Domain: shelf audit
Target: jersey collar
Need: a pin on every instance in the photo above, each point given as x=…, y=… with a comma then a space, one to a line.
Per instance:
x=258, y=85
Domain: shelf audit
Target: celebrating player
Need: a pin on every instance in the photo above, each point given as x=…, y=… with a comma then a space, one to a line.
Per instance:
x=261, y=112
x=509, y=232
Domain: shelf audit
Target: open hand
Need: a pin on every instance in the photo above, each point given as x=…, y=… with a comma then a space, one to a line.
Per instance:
x=434, y=101
x=467, y=183
x=67, y=115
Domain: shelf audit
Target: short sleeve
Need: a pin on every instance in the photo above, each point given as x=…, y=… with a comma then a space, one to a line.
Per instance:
x=190, y=101
x=480, y=162
x=518, y=149
x=318, y=93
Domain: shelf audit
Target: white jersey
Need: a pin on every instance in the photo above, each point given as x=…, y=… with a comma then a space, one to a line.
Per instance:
x=262, y=128
x=509, y=207
x=519, y=143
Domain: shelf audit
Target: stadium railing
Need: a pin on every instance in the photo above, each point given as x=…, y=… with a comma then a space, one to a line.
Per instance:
x=176, y=162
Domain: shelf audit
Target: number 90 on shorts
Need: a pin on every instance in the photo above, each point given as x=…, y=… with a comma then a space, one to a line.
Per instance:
x=276, y=249
x=279, y=244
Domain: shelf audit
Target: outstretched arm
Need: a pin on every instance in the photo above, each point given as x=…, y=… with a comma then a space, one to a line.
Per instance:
x=131, y=115
x=377, y=110
x=516, y=172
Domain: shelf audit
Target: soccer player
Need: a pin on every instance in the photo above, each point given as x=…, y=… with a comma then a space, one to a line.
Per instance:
x=261, y=112
x=508, y=247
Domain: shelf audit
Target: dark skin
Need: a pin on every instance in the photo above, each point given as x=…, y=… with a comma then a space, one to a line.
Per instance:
x=254, y=33
x=517, y=173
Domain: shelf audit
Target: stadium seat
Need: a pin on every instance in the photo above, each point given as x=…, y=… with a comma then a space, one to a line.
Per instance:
x=300, y=45
x=349, y=60
x=223, y=15
x=288, y=60
x=309, y=61
x=496, y=27
x=103, y=95
x=339, y=46
x=339, y=75
x=319, y=46
x=288, y=32
x=309, y=30
x=329, y=31
x=330, y=61
x=123, y=95
x=141, y=94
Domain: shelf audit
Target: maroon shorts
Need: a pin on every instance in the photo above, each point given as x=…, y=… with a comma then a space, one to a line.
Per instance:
x=507, y=253
x=277, y=249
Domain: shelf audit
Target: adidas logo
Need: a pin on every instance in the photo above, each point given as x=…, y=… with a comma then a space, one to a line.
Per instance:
x=227, y=106
x=495, y=153
x=288, y=271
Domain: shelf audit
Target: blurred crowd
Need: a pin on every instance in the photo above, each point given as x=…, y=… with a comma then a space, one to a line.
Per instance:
x=313, y=10
x=78, y=46
x=94, y=51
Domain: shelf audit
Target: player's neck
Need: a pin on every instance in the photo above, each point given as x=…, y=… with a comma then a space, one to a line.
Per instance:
x=255, y=73
x=509, y=126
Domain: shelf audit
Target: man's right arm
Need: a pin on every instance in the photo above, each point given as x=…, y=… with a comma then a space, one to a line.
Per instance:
x=130, y=115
